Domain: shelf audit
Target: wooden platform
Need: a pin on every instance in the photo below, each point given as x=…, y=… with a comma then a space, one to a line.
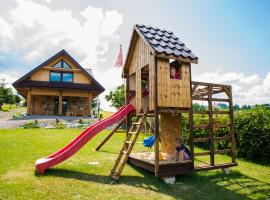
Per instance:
x=146, y=161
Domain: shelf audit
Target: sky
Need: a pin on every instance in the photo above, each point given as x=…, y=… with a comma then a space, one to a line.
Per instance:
x=231, y=38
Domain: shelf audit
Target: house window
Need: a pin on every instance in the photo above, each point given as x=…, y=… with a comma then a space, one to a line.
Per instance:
x=61, y=77
x=55, y=76
x=67, y=77
x=62, y=64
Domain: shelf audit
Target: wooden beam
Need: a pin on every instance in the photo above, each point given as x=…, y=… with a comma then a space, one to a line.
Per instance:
x=204, y=139
x=209, y=84
x=201, y=126
x=60, y=99
x=224, y=151
x=156, y=120
x=206, y=153
x=29, y=102
x=211, y=128
x=226, y=137
x=219, y=166
x=232, y=126
x=111, y=134
x=190, y=121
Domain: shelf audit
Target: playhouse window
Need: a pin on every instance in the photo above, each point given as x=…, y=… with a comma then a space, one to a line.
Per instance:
x=175, y=70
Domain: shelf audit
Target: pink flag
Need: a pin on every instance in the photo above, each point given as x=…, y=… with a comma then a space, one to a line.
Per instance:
x=119, y=61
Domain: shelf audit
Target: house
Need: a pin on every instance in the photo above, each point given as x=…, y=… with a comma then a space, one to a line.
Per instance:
x=59, y=86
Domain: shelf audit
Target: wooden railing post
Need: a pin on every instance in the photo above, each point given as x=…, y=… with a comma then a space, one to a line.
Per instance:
x=156, y=120
x=232, y=126
x=211, y=126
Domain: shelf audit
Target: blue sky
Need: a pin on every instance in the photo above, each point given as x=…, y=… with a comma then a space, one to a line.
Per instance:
x=231, y=38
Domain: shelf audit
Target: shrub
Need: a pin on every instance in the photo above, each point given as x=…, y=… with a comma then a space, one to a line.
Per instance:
x=252, y=128
x=252, y=133
x=31, y=124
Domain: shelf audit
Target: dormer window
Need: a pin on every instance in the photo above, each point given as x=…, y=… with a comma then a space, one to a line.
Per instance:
x=62, y=64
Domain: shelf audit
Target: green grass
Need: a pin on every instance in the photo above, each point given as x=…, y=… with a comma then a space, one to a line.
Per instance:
x=77, y=179
x=7, y=107
x=106, y=114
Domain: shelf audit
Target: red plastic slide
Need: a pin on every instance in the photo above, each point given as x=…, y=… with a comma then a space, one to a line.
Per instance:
x=75, y=145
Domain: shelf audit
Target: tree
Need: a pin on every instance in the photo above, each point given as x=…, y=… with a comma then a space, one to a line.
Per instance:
x=117, y=97
x=6, y=94
x=236, y=107
x=17, y=99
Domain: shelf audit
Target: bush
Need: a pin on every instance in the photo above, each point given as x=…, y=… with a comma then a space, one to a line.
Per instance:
x=31, y=124
x=252, y=128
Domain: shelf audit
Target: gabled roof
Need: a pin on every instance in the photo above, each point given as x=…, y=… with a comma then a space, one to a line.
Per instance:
x=163, y=43
x=95, y=86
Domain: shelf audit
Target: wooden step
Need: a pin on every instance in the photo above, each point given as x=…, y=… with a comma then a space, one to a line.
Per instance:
x=132, y=132
x=136, y=123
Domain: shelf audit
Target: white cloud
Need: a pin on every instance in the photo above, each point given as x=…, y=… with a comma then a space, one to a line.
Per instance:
x=36, y=30
x=246, y=89
x=33, y=31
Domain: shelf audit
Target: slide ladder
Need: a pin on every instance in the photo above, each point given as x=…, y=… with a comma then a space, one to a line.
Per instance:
x=132, y=136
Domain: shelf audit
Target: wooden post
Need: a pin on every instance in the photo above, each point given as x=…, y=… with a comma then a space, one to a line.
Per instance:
x=110, y=135
x=191, y=142
x=89, y=104
x=29, y=102
x=211, y=128
x=156, y=122
x=232, y=126
x=60, y=99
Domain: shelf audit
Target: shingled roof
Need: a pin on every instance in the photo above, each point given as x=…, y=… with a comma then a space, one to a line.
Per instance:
x=162, y=43
x=24, y=82
x=165, y=43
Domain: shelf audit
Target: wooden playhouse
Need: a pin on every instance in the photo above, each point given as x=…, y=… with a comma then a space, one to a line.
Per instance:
x=159, y=85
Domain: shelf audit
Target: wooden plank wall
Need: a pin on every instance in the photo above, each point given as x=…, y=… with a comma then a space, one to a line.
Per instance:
x=44, y=73
x=172, y=92
x=141, y=57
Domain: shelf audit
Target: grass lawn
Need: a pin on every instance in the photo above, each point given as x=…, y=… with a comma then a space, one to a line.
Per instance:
x=76, y=178
x=106, y=114
x=7, y=107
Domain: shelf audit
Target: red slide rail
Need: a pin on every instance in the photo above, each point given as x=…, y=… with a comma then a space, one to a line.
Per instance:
x=76, y=144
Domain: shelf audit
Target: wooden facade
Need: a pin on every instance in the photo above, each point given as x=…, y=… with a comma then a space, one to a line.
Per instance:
x=49, y=97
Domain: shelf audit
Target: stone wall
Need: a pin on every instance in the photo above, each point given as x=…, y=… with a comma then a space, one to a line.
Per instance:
x=47, y=105
x=78, y=106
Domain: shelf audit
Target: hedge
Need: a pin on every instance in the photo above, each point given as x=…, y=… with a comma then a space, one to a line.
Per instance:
x=252, y=132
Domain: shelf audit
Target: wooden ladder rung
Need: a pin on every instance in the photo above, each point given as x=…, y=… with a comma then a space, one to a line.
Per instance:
x=136, y=123
x=202, y=153
x=224, y=151
x=201, y=126
x=227, y=137
x=204, y=139
x=132, y=132
x=221, y=125
x=128, y=142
